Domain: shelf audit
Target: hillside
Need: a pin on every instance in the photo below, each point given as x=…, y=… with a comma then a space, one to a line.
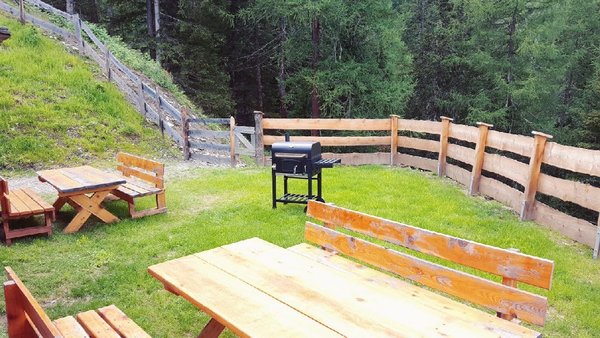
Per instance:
x=55, y=109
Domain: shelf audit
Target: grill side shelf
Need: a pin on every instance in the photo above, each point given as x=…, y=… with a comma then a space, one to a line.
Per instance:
x=327, y=162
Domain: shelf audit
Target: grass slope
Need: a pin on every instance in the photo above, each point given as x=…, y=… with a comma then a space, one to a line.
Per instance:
x=54, y=110
x=106, y=264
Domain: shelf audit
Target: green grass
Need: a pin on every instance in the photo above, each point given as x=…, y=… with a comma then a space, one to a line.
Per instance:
x=54, y=110
x=106, y=264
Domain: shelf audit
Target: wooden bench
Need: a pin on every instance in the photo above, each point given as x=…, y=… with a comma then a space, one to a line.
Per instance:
x=513, y=267
x=151, y=174
x=23, y=203
x=26, y=318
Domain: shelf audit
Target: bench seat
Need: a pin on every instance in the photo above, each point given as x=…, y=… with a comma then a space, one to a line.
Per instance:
x=108, y=321
x=25, y=202
x=134, y=190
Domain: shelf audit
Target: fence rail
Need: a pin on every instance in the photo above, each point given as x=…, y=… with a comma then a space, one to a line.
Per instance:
x=487, y=168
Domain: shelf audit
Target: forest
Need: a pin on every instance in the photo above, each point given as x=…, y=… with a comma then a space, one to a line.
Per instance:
x=519, y=65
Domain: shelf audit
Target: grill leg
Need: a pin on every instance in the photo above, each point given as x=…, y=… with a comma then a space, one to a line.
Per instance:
x=320, y=188
x=274, y=188
x=285, y=186
x=309, y=186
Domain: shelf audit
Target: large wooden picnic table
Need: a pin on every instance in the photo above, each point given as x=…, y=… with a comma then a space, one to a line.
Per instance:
x=84, y=188
x=257, y=289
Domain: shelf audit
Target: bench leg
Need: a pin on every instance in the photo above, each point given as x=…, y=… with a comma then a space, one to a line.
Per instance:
x=17, y=322
x=6, y=231
x=160, y=207
x=48, y=218
x=212, y=330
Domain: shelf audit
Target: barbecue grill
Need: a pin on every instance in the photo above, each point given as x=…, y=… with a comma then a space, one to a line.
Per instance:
x=298, y=160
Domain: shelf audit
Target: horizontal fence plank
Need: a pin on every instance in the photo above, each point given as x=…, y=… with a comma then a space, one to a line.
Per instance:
x=124, y=69
x=501, y=192
x=517, y=144
x=419, y=144
x=209, y=133
x=458, y=174
x=149, y=91
x=210, y=146
x=460, y=153
x=49, y=27
x=572, y=227
x=359, y=158
x=211, y=159
x=152, y=115
x=210, y=121
x=338, y=141
x=92, y=53
x=327, y=124
x=585, y=195
x=464, y=133
x=420, y=126
x=49, y=8
x=168, y=107
x=174, y=133
x=417, y=162
x=245, y=129
x=580, y=160
x=507, y=167
x=93, y=37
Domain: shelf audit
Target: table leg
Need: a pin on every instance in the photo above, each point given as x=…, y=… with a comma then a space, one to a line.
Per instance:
x=60, y=202
x=88, y=206
x=212, y=330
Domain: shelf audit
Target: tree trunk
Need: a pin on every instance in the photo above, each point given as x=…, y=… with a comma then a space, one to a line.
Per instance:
x=314, y=95
x=150, y=24
x=71, y=6
x=157, y=28
x=283, y=111
x=511, y=52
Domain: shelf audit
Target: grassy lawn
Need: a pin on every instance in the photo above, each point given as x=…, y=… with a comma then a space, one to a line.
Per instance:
x=106, y=264
x=54, y=109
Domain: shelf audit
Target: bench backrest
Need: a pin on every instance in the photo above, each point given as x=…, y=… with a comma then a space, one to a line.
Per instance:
x=4, y=201
x=513, y=267
x=144, y=169
x=25, y=316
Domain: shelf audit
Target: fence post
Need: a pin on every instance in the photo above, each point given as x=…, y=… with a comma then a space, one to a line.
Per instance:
x=77, y=23
x=393, y=139
x=108, y=72
x=232, y=140
x=141, y=98
x=479, y=154
x=259, y=147
x=535, y=165
x=441, y=170
x=159, y=112
x=510, y=283
x=185, y=133
x=22, y=11
x=597, y=245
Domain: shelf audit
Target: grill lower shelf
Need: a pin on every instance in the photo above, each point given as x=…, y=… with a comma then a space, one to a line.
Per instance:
x=298, y=198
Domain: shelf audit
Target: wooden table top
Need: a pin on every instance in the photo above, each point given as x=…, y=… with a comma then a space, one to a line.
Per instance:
x=80, y=179
x=258, y=289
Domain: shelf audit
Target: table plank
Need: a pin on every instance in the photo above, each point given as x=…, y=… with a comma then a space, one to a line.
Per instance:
x=80, y=179
x=343, y=301
x=240, y=307
x=59, y=181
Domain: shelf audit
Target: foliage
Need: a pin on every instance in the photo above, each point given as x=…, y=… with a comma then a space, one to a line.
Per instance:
x=55, y=111
x=107, y=263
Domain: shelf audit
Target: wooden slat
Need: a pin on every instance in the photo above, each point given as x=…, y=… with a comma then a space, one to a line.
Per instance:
x=140, y=162
x=526, y=306
x=585, y=195
x=210, y=121
x=420, y=126
x=337, y=141
x=458, y=174
x=211, y=146
x=460, y=153
x=95, y=326
x=128, y=171
x=209, y=133
x=580, y=160
x=34, y=311
x=417, y=162
x=464, y=133
x=517, y=144
x=572, y=227
x=70, y=328
x=243, y=309
x=59, y=181
x=41, y=202
x=327, y=124
x=418, y=143
x=93, y=36
x=126, y=327
x=379, y=278
x=527, y=269
x=340, y=300
x=245, y=129
x=507, y=167
x=31, y=204
x=501, y=192
x=18, y=207
x=359, y=158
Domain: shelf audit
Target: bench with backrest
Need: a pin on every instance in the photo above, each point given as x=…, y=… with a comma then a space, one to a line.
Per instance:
x=513, y=267
x=26, y=318
x=149, y=181
x=23, y=203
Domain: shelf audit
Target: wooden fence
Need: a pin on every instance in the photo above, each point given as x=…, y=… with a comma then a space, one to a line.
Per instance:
x=505, y=167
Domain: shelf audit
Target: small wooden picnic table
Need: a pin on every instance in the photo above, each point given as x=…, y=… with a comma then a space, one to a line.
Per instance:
x=257, y=289
x=84, y=188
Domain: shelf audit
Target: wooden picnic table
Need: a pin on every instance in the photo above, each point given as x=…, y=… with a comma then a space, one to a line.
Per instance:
x=255, y=288
x=84, y=188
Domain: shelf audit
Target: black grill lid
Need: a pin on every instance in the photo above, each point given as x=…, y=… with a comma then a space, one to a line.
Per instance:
x=312, y=148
